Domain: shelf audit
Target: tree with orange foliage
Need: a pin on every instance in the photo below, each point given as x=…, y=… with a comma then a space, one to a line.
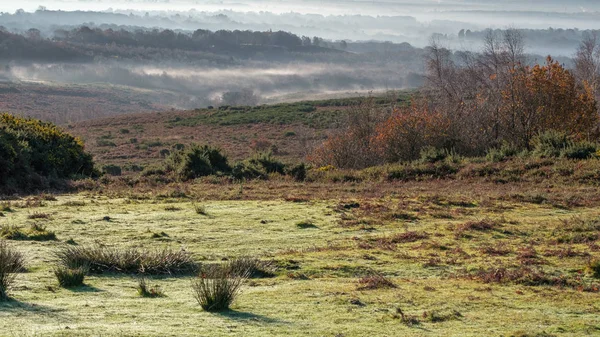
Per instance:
x=547, y=97
x=402, y=136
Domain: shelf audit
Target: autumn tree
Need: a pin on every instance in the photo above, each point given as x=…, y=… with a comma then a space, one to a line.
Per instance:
x=547, y=97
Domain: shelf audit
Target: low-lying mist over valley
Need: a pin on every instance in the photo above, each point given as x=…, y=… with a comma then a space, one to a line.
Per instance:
x=156, y=55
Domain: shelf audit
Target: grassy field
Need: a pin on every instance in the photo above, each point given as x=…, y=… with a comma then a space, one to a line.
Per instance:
x=453, y=258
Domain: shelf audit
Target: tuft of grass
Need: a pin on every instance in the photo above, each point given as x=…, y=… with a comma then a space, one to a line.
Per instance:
x=70, y=277
x=435, y=316
x=375, y=281
x=11, y=263
x=217, y=286
x=102, y=259
x=200, y=209
x=306, y=224
x=406, y=319
x=38, y=215
x=594, y=267
x=254, y=267
x=145, y=290
x=6, y=206
x=160, y=235
x=480, y=226
x=39, y=232
x=74, y=203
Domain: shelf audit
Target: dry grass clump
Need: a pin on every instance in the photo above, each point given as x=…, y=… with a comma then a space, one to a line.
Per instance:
x=528, y=276
x=497, y=250
x=390, y=242
x=11, y=263
x=38, y=215
x=375, y=281
x=200, y=209
x=145, y=290
x=254, y=267
x=102, y=259
x=305, y=224
x=217, y=286
x=480, y=226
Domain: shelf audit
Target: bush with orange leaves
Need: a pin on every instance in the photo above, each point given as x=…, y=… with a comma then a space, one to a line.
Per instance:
x=408, y=130
x=547, y=97
x=470, y=110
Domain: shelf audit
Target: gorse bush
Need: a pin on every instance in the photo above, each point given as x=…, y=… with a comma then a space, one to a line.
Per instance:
x=550, y=144
x=31, y=149
x=11, y=263
x=504, y=152
x=102, y=259
x=217, y=286
x=553, y=144
x=197, y=161
x=260, y=165
x=580, y=150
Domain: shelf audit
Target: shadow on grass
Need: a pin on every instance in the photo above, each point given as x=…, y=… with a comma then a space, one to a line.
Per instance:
x=16, y=306
x=243, y=316
x=84, y=289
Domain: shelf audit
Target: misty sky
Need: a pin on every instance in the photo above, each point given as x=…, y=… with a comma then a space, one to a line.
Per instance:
x=379, y=7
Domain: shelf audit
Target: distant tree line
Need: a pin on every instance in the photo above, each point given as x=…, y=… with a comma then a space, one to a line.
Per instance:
x=197, y=41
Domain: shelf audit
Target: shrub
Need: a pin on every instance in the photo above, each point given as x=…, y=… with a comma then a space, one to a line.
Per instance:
x=259, y=166
x=145, y=290
x=505, y=151
x=11, y=262
x=268, y=163
x=432, y=155
x=549, y=144
x=579, y=150
x=70, y=277
x=103, y=259
x=31, y=149
x=153, y=170
x=217, y=286
x=113, y=170
x=298, y=172
x=197, y=161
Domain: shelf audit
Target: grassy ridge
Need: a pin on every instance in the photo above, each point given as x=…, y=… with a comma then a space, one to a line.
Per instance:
x=315, y=114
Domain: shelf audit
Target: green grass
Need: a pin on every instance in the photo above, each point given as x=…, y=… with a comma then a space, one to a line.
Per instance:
x=305, y=112
x=429, y=264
